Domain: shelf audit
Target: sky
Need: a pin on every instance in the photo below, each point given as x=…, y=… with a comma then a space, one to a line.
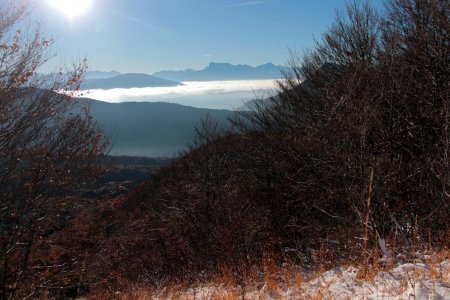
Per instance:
x=152, y=35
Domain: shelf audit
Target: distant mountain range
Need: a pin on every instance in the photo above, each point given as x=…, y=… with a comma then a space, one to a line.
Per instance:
x=129, y=80
x=151, y=129
x=213, y=72
x=100, y=74
x=224, y=71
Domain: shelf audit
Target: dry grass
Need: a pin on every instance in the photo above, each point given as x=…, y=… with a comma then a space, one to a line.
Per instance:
x=290, y=282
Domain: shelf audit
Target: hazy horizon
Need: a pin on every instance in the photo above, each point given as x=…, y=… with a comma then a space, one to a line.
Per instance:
x=228, y=94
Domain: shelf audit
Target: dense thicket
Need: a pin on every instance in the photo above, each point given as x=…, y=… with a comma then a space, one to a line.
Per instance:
x=353, y=152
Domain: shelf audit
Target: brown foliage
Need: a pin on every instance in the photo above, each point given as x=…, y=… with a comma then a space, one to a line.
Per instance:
x=365, y=112
x=49, y=146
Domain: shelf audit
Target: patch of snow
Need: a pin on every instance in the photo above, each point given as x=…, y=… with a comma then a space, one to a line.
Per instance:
x=421, y=281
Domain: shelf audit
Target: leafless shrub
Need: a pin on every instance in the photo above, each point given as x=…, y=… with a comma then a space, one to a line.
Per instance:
x=49, y=145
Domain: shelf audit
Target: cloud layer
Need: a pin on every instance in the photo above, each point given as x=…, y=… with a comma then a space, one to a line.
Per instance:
x=209, y=94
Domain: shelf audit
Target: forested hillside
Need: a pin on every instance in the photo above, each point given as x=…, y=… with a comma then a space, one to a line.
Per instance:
x=347, y=164
x=349, y=161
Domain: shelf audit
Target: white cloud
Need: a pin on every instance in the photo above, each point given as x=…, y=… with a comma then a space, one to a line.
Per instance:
x=208, y=94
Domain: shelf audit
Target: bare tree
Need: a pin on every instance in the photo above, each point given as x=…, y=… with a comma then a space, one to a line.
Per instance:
x=49, y=145
x=349, y=158
x=371, y=97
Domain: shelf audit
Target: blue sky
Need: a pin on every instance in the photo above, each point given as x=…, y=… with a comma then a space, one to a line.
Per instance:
x=152, y=35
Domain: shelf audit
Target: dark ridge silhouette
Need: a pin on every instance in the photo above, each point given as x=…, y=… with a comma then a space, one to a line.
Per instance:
x=151, y=129
x=101, y=74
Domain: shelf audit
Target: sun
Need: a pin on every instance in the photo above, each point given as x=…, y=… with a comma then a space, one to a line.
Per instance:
x=71, y=8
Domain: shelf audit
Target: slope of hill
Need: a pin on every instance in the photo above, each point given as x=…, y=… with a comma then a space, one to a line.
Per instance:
x=224, y=71
x=348, y=168
x=129, y=80
x=150, y=129
x=101, y=74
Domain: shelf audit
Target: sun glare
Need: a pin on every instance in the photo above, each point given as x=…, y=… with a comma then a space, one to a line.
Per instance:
x=71, y=8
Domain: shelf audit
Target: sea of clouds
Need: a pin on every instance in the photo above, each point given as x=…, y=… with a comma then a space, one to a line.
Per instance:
x=202, y=94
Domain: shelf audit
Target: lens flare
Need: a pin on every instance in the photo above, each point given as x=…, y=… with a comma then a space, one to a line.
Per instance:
x=71, y=8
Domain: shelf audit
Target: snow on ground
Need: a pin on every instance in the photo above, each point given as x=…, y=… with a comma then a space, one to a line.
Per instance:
x=406, y=281
x=418, y=280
